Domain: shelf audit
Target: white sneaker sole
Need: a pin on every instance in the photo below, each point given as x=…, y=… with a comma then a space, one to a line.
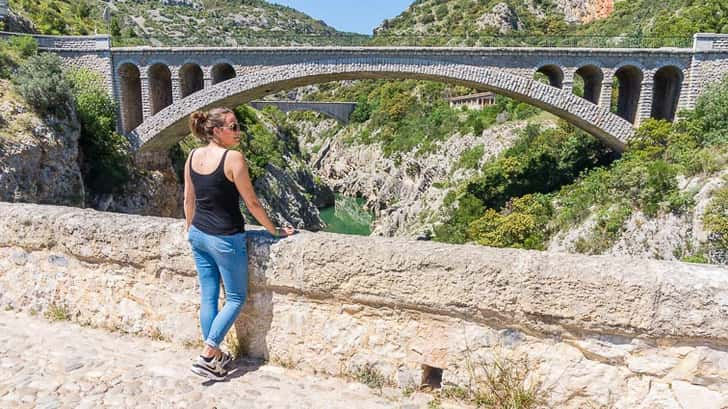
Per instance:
x=206, y=373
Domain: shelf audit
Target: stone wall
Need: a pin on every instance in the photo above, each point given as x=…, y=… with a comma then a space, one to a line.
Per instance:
x=619, y=332
x=90, y=52
x=76, y=43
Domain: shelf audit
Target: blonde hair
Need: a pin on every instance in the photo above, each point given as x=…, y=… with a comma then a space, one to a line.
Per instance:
x=202, y=123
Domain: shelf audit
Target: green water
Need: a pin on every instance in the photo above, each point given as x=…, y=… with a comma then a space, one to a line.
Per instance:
x=347, y=216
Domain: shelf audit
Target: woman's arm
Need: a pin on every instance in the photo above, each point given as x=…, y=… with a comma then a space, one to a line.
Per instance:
x=189, y=199
x=241, y=177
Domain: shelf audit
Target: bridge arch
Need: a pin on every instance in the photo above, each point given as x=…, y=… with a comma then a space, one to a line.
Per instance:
x=222, y=72
x=191, y=79
x=130, y=95
x=160, y=87
x=168, y=126
x=667, y=83
x=592, y=77
x=629, y=87
x=554, y=73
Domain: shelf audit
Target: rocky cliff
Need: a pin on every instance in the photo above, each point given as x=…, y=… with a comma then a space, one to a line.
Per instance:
x=38, y=155
x=463, y=17
x=405, y=193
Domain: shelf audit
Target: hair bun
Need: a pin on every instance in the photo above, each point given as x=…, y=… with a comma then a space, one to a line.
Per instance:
x=199, y=116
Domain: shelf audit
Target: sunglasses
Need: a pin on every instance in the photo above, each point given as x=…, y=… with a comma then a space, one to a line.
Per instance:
x=233, y=127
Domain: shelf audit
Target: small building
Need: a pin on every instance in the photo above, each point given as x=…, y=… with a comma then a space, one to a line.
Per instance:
x=473, y=101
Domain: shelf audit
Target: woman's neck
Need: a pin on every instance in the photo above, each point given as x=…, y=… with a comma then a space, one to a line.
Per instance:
x=213, y=144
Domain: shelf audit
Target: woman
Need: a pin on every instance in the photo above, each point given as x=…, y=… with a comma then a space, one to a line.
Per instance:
x=215, y=178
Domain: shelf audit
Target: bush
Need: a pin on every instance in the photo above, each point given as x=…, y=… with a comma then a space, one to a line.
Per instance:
x=362, y=112
x=41, y=82
x=470, y=158
x=26, y=46
x=106, y=162
x=259, y=145
x=715, y=220
x=709, y=121
x=522, y=224
x=9, y=60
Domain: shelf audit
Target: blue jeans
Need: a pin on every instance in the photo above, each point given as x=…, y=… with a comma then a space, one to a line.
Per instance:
x=215, y=257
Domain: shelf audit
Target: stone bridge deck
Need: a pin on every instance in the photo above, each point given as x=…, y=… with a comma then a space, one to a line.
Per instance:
x=109, y=370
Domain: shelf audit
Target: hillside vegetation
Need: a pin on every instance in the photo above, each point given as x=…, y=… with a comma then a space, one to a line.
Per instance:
x=464, y=21
x=176, y=23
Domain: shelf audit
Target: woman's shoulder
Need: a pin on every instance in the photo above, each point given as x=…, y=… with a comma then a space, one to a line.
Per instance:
x=235, y=155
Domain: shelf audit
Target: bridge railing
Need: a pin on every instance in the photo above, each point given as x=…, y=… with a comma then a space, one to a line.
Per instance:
x=89, y=43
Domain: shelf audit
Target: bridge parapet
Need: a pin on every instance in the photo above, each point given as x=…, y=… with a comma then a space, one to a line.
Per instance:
x=710, y=42
x=68, y=43
x=613, y=330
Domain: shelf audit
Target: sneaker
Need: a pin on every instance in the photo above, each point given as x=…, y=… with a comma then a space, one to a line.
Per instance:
x=225, y=360
x=212, y=368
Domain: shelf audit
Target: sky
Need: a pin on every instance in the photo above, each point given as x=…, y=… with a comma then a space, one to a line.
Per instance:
x=358, y=16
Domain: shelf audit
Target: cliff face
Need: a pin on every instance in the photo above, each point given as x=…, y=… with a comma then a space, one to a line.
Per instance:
x=459, y=17
x=39, y=163
x=405, y=194
x=585, y=11
x=38, y=155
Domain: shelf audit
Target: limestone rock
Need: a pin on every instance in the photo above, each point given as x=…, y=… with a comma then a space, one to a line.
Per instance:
x=585, y=11
x=38, y=155
x=285, y=201
x=149, y=193
x=503, y=18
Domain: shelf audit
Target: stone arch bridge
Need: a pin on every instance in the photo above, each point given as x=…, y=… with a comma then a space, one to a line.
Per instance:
x=157, y=88
x=339, y=111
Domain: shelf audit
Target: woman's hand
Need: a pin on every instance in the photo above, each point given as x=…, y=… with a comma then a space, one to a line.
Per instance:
x=285, y=231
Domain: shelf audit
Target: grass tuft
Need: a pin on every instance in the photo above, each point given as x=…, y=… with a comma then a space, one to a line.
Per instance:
x=57, y=312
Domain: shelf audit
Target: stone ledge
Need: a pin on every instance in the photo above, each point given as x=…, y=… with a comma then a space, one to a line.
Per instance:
x=538, y=292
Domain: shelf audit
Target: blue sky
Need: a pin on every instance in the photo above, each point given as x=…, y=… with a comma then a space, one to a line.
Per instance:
x=359, y=16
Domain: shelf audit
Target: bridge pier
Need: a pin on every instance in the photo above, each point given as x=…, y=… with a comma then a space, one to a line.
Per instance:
x=568, y=81
x=605, y=97
x=644, y=106
x=176, y=86
x=146, y=97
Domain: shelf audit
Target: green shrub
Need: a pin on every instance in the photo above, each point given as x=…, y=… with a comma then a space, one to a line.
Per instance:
x=709, y=120
x=521, y=224
x=470, y=158
x=715, y=219
x=540, y=161
x=26, y=46
x=40, y=80
x=362, y=112
x=9, y=59
x=107, y=161
x=608, y=227
x=260, y=145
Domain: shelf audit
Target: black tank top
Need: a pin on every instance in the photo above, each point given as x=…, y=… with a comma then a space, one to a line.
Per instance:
x=217, y=208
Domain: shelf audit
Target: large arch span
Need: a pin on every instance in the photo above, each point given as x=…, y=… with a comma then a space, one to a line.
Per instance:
x=169, y=125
